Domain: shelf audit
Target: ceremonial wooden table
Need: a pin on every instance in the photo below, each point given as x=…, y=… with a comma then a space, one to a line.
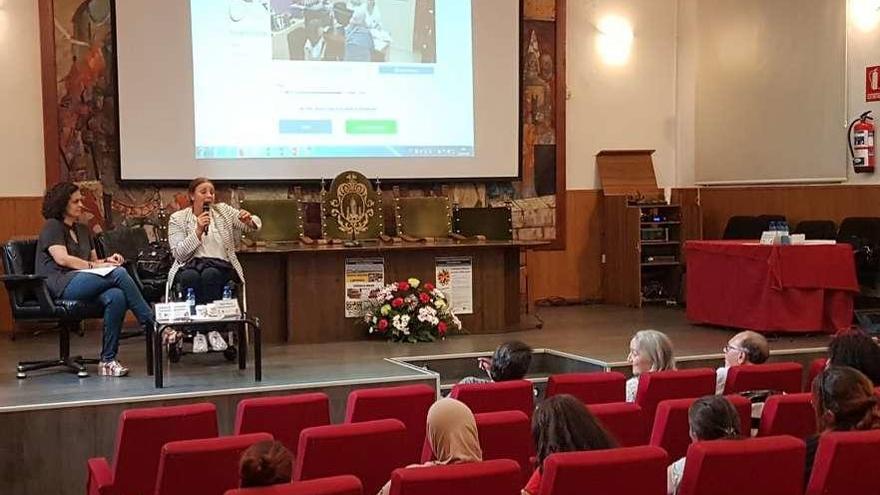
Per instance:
x=298, y=289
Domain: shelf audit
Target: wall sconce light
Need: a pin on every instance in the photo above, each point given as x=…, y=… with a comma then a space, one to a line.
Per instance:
x=865, y=14
x=614, y=40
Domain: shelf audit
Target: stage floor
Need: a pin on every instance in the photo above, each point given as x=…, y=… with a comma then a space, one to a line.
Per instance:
x=597, y=332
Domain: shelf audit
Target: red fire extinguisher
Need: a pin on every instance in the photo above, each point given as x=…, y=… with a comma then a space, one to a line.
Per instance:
x=860, y=137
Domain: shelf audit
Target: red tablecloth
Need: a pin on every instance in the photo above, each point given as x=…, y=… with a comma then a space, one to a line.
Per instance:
x=804, y=288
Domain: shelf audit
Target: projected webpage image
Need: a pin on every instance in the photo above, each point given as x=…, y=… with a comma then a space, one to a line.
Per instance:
x=400, y=85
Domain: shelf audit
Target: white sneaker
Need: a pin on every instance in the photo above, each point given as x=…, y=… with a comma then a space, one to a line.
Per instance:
x=112, y=368
x=200, y=344
x=216, y=341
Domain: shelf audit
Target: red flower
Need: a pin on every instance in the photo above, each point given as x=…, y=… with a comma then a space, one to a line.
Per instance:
x=424, y=298
x=441, y=327
x=397, y=302
x=382, y=325
x=403, y=285
x=428, y=286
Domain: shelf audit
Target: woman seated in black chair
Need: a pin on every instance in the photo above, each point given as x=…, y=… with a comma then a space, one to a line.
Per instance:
x=65, y=246
x=202, y=240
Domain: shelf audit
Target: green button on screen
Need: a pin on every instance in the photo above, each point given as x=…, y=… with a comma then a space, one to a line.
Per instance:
x=371, y=126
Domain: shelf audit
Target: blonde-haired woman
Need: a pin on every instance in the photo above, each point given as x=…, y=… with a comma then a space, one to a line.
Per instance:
x=649, y=350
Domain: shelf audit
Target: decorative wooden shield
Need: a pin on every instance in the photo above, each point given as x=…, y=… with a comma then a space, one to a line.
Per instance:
x=351, y=209
x=282, y=219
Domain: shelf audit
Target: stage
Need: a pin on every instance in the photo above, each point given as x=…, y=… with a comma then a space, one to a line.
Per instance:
x=54, y=421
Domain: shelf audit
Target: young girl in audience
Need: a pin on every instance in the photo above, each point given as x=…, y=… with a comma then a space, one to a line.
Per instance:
x=452, y=434
x=563, y=424
x=856, y=350
x=264, y=464
x=710, y=418
x=649, y=350
x=844, y=400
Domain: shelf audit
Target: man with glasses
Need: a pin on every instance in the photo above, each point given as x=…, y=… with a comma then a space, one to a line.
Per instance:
x=744, y=348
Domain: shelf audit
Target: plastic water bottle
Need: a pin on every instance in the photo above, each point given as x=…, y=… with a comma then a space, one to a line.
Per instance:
x=227, y=290
x=191, y=301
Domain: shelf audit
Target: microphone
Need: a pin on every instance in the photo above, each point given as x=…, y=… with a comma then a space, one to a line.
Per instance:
x=206, y=207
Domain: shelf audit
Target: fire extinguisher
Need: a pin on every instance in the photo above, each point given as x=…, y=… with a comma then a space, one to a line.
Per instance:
x=860, y=137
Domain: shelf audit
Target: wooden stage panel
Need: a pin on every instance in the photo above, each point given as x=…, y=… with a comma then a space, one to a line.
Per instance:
x=300, y=289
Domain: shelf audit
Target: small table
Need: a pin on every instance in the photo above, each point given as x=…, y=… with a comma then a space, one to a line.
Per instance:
x=242, y=323
x=771, y=288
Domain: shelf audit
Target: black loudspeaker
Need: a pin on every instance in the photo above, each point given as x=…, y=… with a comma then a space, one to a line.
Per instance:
x=545, y=169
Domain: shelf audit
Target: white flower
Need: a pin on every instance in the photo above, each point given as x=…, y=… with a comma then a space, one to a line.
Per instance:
x=436, y=293
x=429, y=314
x=401, y=322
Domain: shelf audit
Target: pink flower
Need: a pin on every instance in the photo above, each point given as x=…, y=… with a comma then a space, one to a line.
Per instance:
x=424, y=298
x=397, y=302
x=428, y=286
x=382, y=325
x=441, y=327
x=403, y=285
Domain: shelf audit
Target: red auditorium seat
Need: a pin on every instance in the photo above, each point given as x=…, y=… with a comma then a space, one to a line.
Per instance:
x=284, y=417
x=409, y=404
x=589, y=388
x=208, y=466
x=624, y=421
x=498, y=477
x=370, y=451
x=757, y=466
x=816, y=367
x=785, y=377
x=630, y=470
x=507, y=435
x=676, y=384
x=336, y=485
x=139, y=440
x=846, y=463
x=513, y=395
x=790, y=414
x=671, y=430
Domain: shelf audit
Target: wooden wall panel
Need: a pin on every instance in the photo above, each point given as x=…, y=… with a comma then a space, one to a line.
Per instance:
x=574, y=273
x=797, y=203
x=19, y=217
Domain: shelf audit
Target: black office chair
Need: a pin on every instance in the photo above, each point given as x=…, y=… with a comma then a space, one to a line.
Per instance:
x=30, y=300
x=129, y=241
x=817, y=229
x=742, y=227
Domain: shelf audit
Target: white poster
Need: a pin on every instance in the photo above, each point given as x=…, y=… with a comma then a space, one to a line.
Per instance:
x=363, y=277
x=455, y=278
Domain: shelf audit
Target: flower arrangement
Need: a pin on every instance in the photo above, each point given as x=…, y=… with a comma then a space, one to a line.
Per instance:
x=409, y=311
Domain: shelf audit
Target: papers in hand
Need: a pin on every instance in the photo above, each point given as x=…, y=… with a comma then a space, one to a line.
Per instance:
x=102, y=271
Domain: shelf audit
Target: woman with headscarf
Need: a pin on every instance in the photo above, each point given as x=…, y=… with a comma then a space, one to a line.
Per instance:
x=452, y=434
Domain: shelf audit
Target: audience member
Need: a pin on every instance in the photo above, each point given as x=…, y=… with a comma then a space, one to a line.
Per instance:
x=710, y=418
x=856, y=350
x=452, y=435
x=510, y=361
x=844, y=400
x=265, y=463
x=742, y=349
x=65, y=247
x=563, y=424
x=649, y=350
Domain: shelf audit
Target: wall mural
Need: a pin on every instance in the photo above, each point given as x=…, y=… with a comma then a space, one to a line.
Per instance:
x=88, y=140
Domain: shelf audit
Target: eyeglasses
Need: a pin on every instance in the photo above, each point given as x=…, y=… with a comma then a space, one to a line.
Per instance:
x=728, y=348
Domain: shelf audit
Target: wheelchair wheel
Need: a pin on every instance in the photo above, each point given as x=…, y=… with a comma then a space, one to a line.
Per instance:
x=230, y=353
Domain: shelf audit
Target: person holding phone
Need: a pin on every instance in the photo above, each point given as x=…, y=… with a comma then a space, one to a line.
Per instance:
x=510, y=361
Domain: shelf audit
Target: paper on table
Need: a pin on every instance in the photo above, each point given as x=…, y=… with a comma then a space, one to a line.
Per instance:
x=102, y=271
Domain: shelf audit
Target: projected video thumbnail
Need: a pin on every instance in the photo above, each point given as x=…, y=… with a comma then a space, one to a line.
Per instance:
x=354, y=30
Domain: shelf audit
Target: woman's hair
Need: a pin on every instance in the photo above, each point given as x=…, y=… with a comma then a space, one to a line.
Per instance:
x=510, y=361
x=843, y=399
x=714, y=418
x=856, y=350
x=195, y=183
x=56, y=199
x=265, y=463
x=563, y=424
x=657, y=347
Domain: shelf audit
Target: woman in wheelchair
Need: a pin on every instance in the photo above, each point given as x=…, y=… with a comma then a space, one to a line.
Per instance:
x=203, y=241
x=64, y=248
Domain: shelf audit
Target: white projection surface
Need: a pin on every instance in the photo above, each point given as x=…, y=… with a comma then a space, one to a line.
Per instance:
x=305, y=89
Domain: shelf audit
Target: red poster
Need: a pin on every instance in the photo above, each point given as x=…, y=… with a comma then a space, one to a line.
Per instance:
x=872, y=83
